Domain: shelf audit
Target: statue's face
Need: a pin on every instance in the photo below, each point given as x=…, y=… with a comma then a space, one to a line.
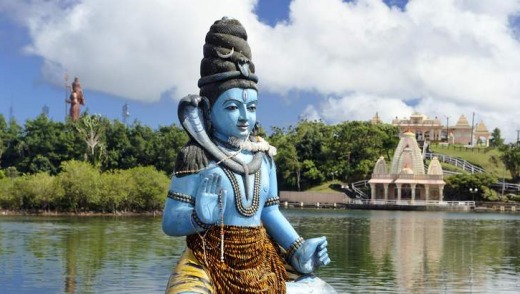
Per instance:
x=234, y=113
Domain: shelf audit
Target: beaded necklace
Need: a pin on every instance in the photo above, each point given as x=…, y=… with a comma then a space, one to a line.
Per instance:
x=243, y=210
x=221, y=210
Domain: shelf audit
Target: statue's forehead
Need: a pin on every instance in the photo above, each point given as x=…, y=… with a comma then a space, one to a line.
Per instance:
x=239, y=94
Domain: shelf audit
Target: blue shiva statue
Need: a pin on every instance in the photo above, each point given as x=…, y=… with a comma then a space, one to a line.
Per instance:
x=223, y=195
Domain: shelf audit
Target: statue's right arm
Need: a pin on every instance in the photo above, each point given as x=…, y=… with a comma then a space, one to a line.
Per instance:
x=178, y=216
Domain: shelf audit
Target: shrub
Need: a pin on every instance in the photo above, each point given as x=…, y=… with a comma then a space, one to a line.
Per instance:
x=513, y=197
x=149, y=188
x=48, y=193
x=115, y=190
x=81, y=184
x=38, y=191
x=489, y=194
x=6, y=197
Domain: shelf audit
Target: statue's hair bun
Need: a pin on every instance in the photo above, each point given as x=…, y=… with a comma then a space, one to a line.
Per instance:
x=227, y=60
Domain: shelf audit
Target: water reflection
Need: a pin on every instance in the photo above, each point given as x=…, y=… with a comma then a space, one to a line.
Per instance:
x=84, y=255
x=412, y=245
x=417, y=252
x=372, y=251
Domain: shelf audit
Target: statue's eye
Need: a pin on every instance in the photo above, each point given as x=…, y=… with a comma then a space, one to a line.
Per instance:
x=232, y=107
x=252, y=108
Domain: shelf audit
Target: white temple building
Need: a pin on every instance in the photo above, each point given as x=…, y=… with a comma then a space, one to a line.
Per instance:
x=432, y=129
x=407, y=180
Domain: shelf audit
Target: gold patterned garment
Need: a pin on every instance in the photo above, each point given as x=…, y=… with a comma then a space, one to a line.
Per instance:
x=251, y=261
x=189, y=276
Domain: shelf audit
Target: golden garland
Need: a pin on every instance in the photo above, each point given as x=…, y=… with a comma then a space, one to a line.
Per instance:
x=251, y=262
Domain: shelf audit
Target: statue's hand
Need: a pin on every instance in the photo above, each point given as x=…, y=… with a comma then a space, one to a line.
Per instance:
x=207, y=204
x=311, y=255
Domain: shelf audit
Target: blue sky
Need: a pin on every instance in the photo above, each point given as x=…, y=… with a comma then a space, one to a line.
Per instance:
x=331, y=60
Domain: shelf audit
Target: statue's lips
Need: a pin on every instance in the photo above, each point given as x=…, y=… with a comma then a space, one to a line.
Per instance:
x=242, y=127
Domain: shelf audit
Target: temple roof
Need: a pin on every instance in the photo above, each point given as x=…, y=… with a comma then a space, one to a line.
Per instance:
x=462, y=123
x=418, y=114
x=376, y=119
x=407, y=157
x=435, y=167
x=380, y=167
x=481, y=129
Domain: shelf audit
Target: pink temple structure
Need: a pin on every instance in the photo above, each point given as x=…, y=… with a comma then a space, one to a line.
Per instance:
x=407, y=181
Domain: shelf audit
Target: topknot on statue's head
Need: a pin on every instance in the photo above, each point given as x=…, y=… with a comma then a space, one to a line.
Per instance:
x=227, y=60
x=228, y=26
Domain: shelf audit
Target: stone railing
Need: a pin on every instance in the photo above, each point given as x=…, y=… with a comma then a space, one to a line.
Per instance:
x=412, y=203
x=458, y=162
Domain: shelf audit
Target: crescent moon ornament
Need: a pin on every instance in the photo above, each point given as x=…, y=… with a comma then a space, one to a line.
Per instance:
x=225, y=56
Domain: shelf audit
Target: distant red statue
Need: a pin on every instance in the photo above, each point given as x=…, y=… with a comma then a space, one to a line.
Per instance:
x=76, y=99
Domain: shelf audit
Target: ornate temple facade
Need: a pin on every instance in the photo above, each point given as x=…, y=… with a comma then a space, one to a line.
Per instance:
x=407, y=179
x=482, y=134
x=432, y=129
x=425, y=129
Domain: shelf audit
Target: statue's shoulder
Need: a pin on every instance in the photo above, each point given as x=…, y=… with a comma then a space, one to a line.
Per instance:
x=191, y=159
x=268, y=160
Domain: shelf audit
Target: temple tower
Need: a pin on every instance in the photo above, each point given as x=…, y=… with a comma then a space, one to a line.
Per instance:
x=407, y=181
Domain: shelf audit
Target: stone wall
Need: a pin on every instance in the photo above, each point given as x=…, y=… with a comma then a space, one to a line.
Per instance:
x=313, y=197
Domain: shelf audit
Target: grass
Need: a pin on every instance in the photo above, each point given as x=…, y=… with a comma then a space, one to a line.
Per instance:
x=477, y=156
x=325, y=186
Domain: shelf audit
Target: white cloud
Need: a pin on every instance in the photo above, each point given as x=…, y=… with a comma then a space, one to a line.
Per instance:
x=310, y=113
x=451, y=58
x=454, y=57
x=134, y=49
x=361, y=106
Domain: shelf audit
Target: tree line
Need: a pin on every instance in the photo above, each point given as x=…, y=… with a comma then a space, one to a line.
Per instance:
x=44, y=153
x=42, y=144
x=308, y=154
x=313, y=152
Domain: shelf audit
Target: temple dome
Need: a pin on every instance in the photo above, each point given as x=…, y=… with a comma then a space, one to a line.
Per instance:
x=380, y=168
x=481, y=128
x=435, y=167
x=408, y=154
x=462, y=123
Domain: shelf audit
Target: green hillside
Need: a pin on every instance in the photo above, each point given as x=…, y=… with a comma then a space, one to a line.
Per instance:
x=326, y=186
x=483, y=157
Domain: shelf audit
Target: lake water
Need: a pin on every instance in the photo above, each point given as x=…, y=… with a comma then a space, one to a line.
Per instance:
x=371, y=252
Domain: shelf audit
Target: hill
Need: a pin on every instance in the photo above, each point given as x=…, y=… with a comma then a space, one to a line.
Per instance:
x=487, y=158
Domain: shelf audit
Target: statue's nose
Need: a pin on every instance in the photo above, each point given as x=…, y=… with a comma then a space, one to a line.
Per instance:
x=243, y=114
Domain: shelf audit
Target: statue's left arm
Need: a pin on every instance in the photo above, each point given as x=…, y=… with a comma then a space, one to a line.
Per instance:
x=305, y=256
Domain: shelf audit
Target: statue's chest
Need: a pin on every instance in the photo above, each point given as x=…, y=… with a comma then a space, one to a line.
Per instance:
x=246, y=193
